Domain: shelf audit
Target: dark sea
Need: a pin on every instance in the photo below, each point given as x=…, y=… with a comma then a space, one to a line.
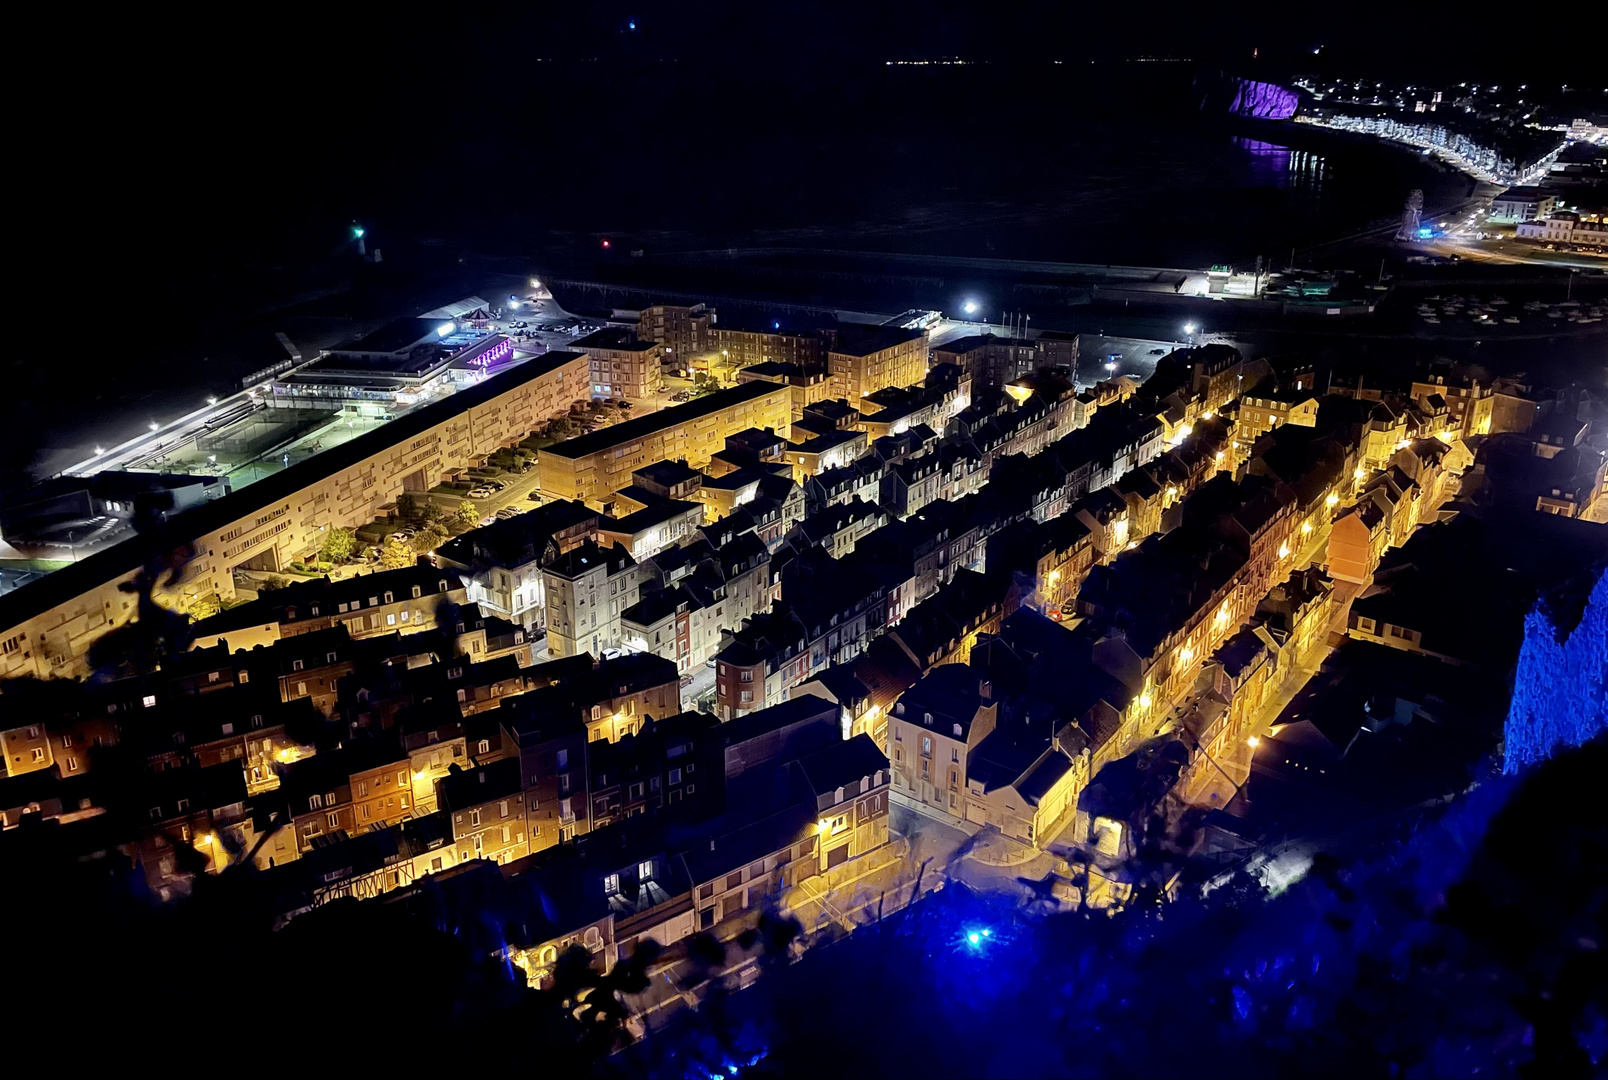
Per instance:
x=216, y=234
x=1114, y=164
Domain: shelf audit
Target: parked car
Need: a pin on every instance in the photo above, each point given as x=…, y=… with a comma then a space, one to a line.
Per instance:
x=507, y=512
x=488, y=520
x=535, y=496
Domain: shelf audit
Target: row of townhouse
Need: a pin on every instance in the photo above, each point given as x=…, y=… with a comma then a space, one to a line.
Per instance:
x=412, y=735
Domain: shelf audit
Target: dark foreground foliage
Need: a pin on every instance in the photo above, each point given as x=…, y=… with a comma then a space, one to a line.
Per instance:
x=1470, y=945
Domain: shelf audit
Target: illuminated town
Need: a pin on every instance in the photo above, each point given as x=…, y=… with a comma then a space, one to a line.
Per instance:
x=638, y=661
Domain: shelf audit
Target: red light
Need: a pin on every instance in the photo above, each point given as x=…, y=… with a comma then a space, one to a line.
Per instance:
x=605, y=245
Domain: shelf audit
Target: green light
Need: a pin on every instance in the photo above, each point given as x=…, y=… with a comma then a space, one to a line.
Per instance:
x=357, y=231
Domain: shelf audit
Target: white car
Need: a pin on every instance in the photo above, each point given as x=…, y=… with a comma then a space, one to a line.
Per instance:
x=489, y=519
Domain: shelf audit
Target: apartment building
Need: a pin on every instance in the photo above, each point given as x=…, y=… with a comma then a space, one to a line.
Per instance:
x=502, y=562
x=864, y=359
x=809, y=386
x=686, y=331
x=587, y=588
x=621, y=364
x=282, y=517
x=743, y=344
x=590, y=468
x=486, y=808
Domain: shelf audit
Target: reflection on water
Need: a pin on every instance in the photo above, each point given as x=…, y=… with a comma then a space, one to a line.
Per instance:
x=1272, y=165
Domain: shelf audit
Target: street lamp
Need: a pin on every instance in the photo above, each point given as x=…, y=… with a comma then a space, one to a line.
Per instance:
x=99, y=451
x=970, y=307
x=212, y=399
x=154, y=426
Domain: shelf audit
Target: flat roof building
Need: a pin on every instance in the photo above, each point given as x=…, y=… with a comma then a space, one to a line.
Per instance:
x=864, y=359
x=265, y=526
x=593, y=466
x=622, y=365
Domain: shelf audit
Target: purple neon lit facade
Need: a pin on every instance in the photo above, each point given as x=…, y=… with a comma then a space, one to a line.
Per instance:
x=492, y=351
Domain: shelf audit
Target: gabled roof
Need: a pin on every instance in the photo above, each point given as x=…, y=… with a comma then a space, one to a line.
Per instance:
x=481, y=784
x=843, y=764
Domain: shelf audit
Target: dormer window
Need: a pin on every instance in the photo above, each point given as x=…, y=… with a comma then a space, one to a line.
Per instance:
x=388, y=597
x=417, y=592
x=441, y=586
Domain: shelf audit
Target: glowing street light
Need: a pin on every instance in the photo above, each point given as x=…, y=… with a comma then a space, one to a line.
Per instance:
x=1253, y=742
x=212, y=399
x=99, y=451
x=154, y=426
x=970, y=307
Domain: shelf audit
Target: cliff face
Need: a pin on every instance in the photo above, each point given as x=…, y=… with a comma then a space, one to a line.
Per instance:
x=1218, y=92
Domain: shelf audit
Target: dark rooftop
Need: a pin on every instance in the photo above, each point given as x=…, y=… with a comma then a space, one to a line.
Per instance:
x=640, y=426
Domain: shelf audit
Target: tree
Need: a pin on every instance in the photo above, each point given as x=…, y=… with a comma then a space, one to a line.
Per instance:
x=407, y=507
x=561, y=428
x=703, y=384
x=467, y=513
x=428, y=538
x=395, y=554
x=338, y=545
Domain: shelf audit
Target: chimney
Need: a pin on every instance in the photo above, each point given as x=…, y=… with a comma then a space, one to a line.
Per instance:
x=985, y=689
